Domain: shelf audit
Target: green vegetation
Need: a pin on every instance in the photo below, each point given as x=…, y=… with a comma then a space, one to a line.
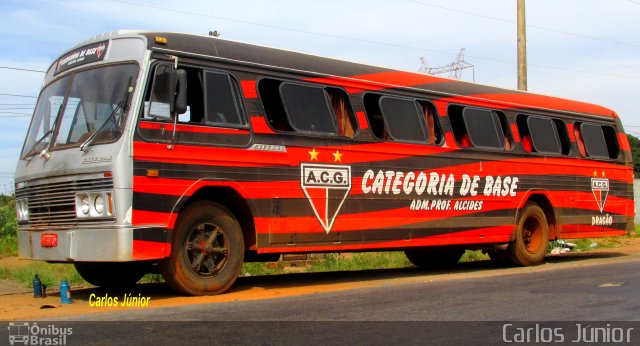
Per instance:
x=8, y=227
x=49, y=273
x=360, y=261
x=474, y=256
x=635, y=152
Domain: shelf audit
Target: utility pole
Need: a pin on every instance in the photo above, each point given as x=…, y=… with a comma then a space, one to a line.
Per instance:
x=522, y=47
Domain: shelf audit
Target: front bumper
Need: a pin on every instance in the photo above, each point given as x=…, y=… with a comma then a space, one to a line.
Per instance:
x=79, y=245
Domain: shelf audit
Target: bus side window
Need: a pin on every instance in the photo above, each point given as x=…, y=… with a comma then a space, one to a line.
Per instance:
x=563, y=136
x=224, y=104
x=543, y=135
x=307, y=108
x=578, y=134
x=433, y=127
x=458, y=127
x=269, y=91
x=484, y=128
x=402, y=119
x=600, y=141
x=395, y=118
x=342, y=111
x=374, y=116
x=157, y=101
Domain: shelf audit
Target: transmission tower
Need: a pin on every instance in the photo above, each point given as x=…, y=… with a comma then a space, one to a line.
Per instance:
x=454, y=69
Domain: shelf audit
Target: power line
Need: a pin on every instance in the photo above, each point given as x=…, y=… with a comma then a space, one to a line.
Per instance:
x=172, y=10
x=14, y=114
x=20, y=69
x=528, y=25
x=15, y=95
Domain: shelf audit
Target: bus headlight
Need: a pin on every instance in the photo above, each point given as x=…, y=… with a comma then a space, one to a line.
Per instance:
x=98, y=204
x=22, y=209
x=84, y=205
x=94, y=204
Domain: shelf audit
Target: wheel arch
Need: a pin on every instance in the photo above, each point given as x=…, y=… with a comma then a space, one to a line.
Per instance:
x=228, y=195
x=543, y=201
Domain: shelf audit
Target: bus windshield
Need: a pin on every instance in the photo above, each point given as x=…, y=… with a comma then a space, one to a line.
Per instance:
x=85, y=106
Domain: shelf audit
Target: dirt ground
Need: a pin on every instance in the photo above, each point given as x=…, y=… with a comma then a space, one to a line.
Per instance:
x=18, y=303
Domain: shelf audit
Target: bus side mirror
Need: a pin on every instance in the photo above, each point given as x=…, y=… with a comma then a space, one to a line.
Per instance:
x=179, y=103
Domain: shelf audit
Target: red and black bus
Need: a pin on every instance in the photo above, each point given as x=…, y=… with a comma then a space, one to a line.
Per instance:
x=197, y=154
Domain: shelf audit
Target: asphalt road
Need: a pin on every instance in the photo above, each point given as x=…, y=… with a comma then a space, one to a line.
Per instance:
x=601, y=292
x=567, y=302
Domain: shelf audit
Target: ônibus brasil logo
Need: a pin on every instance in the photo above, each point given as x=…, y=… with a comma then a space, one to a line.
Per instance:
x=326, y=188
x=600, y=189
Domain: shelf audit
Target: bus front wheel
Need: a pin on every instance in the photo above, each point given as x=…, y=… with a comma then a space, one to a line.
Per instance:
x=532, y=237
x=207, y=250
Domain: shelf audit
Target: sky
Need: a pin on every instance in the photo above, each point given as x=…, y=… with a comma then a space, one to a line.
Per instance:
x=587, y=50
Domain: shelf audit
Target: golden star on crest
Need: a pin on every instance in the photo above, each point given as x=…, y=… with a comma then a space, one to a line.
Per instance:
x=337, y=156
x=314, y=154
x=595, y=174
x=603, y=175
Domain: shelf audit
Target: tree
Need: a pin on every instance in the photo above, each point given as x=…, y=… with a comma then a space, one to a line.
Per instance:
x=635, y=151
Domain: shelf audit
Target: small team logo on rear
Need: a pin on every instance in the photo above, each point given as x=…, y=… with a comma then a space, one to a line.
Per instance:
x=600, y=189
x=326, y=188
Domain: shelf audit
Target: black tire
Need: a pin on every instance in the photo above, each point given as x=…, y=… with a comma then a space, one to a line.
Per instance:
x=434, y=258
x=207, y=250
x=112, y=274
x=532, y=237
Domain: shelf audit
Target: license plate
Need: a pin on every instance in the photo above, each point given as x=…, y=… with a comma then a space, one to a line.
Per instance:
x=49, y=239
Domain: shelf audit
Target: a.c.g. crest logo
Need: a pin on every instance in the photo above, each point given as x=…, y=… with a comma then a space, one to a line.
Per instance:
x=326, y=187
x=600, y=189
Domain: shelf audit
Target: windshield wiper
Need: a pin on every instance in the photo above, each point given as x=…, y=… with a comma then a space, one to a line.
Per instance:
x=111, y=118
x=35, y=145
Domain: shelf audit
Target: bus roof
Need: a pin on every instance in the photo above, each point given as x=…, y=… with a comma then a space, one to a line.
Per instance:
x=356, y=77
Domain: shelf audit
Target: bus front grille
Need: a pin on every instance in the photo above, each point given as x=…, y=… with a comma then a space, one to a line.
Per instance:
x=53, y=202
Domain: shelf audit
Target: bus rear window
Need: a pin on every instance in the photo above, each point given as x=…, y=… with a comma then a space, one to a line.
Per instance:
x=600, y=141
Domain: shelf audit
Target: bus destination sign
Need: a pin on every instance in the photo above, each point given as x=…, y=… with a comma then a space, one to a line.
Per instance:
x=83, y=55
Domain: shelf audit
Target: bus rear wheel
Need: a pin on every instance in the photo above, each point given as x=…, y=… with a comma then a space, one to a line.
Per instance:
x=207, y=250
x=112, y=274
x=531, y=239
x=434, y=258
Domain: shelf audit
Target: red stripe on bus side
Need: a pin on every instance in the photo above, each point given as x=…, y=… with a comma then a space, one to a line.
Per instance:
x=148, y=250
x=496, y=234
x=379, y=81
x=624, y=142
x=192, y=128
x=586, y=201
x=359, y=221
x=515, y=132
x=362, y=120
x=548, y=102
x=259, y=125
x=197, y=155
x=143, y=217
x=249, y=190
x=249, y=89
x=350, y=86
x=574, y=231
x=572, y=135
